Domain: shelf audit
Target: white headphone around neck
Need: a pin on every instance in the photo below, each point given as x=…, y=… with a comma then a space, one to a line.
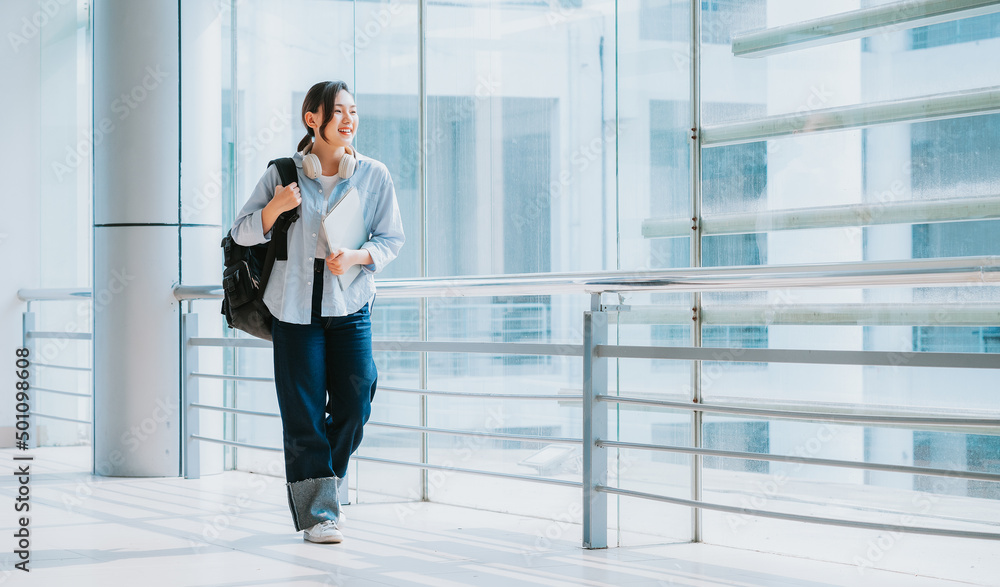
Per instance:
x=313, y=168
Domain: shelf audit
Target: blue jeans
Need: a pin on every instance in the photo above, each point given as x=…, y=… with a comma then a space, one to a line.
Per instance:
x=325, y=379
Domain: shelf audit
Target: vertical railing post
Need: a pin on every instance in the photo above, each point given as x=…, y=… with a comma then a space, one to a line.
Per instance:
x=189, y=395
x=696, y=259
x=422, y=157
x=28, y=342
x=595, y=427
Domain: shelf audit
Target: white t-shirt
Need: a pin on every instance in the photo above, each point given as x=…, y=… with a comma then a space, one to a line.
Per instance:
x=326, y=183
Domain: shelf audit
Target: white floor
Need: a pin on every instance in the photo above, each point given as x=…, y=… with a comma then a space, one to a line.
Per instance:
x=234, y=530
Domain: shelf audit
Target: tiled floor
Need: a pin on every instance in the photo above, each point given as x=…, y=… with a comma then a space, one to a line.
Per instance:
x=233, y=530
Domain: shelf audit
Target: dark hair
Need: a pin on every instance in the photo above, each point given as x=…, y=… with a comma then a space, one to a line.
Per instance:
x=323, y=94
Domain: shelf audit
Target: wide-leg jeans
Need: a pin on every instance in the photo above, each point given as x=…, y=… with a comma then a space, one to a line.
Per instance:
x=325, y=379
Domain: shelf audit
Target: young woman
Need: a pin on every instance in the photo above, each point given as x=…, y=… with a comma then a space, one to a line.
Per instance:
x=323, y=369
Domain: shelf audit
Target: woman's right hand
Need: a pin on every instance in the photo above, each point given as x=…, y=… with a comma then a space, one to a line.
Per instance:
x=285, y=198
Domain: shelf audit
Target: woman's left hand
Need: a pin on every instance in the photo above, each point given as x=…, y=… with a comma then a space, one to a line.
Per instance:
x=339, y=261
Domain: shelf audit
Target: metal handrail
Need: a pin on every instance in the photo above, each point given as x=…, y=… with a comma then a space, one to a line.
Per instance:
x=57, y=293
x=495, y=435
x=855, y=418
x=797, y=517
x=234, y=410
x=60, y=392
x=855, y=24
x=839, y=463
x=519, y=396
x=919, y=109
x=66, y=367
x=62, y=418
x=550, y=481
x=841, y=216
x=59, y=335
x=909, y=272
x=804, y=356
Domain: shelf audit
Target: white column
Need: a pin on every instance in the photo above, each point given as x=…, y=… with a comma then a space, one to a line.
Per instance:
x=136, y=238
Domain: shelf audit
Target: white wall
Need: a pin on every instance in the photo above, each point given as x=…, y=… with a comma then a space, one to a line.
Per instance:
x=19, y=164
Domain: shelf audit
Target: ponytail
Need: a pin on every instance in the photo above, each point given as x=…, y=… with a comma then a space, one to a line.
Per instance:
x=305, y=141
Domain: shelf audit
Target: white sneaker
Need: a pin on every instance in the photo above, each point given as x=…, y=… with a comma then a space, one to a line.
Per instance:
x=324, y=532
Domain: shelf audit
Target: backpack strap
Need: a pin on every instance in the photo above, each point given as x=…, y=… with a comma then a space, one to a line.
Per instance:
x=288, y=175
x=278, y=248
x=286, y=169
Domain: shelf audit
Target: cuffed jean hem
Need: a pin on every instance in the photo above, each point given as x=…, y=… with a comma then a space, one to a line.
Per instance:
x=313, y=501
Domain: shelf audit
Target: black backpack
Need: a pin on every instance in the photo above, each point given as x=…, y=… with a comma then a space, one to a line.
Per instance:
x=248, y=268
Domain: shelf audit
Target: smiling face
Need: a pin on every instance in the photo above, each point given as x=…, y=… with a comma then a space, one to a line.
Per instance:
x=339, y=131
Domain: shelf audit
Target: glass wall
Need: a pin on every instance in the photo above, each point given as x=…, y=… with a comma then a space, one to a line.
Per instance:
x=64, y=231
x=594, y=135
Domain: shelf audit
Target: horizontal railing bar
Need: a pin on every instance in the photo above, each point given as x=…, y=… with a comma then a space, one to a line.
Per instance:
x=803, y=415
x=800, y=518
x=806, y=356
x=246, y=378
x=547, y=480
x=489, y=348
x=50, y=417
x=253, y=343
x=910, y=272
x=558, y=397
x=872, y=314
x=901, y=212
x=805, y=460
x=235, y=411
x=233, y=443
x=855, y=24
x=497, y=435
x=923, y=108
x=198, y=292
x=907, y=272
x=66, y=367
x=61, y=392
x=54, y=293
x=59, y=335
x=777, y=314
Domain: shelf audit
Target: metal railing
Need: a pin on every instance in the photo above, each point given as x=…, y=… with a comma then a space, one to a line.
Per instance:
x=596, y=352
x=30, y=337
x=858, y=23
x=899, y=212
x=919, y=109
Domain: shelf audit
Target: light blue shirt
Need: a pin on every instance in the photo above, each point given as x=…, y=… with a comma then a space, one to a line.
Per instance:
x=289, y=290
